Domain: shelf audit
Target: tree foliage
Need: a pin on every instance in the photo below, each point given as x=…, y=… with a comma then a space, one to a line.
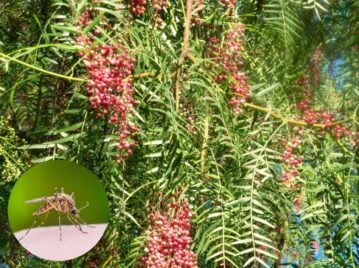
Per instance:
x=275, y=184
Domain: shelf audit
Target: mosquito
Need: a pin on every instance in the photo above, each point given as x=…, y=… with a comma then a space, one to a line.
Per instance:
x=62, y=203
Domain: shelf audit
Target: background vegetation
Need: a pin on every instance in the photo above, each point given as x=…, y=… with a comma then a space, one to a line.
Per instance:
x=230, y=167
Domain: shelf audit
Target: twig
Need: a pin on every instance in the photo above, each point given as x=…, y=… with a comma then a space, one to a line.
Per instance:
x=184, y=52
x=141, y=75
x=204, y=144
x=6, y=57
x=291, y=120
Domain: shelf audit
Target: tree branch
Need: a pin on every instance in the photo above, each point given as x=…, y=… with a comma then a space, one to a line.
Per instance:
x=177, y=75
x=291, y=120
x=185, y=48
x=6, y=57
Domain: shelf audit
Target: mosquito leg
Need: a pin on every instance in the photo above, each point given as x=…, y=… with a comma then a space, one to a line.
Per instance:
x=77, y=225
x=60, y=225
x=44, y=208
x=44, y=220
x=32, y=225
x=85, y=206
x=80, y=229
x=83, y=222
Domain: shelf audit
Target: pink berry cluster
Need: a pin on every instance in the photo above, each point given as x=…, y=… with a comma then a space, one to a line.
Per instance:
x=85, y=19
x=228, y=60
x=189, y=116
x=291, y=160
x=228, y=3
x=159, y=5
x=311, y=116
x=198, y=9
x=168, y=244
x=138, y=7
x=109, y=87
x=327, y=119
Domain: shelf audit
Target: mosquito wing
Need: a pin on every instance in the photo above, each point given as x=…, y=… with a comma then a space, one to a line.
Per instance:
x=40, y=199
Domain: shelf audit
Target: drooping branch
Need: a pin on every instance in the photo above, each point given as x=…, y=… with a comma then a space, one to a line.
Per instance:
x=177, y=75
x=291, y=120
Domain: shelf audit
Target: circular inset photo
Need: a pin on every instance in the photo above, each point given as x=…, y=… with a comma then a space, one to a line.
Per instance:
x=58, y=210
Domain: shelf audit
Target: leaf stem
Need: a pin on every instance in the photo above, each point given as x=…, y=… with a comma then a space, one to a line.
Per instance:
x=291, y=120
x=204, y=144
x=6, y=57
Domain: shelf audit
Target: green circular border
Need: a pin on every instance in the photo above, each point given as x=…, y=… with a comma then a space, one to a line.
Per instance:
x=42, y=179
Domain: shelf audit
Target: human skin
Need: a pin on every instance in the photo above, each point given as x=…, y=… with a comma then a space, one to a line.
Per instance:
x=44, y=242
